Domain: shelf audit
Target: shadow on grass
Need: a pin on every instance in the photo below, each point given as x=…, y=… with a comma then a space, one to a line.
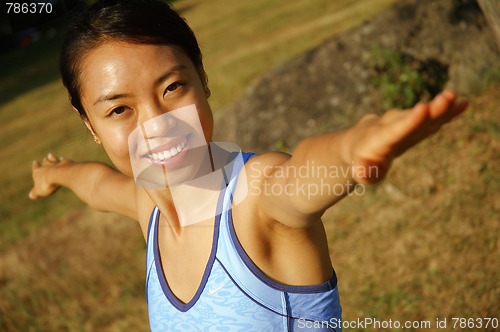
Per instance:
x=29, y=67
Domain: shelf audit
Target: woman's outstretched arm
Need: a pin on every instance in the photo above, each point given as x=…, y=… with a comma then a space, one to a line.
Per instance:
x=96, y=184
x=323, y=169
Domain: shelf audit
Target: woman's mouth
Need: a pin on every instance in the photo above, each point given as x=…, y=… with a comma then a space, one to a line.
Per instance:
x=168, y=155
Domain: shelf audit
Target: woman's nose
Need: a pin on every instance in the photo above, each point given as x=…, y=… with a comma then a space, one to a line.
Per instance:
x=158, y=123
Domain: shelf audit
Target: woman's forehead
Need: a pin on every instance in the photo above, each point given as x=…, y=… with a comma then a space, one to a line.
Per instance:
x=118, y=63
x=130, y=54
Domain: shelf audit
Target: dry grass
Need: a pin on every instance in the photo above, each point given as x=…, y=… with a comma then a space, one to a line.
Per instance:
x=67, y=277
x=423, y=244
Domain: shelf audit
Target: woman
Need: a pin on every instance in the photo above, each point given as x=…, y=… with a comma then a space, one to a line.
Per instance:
x=245, y=249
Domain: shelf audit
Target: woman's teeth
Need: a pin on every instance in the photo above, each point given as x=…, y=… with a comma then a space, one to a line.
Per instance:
x=166, y=155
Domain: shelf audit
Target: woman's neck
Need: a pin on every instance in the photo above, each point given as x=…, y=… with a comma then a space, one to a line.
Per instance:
x=196, y=200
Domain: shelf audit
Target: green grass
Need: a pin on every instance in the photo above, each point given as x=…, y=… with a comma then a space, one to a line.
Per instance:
x=31, y=126
x=403, y=80
x=243, y=40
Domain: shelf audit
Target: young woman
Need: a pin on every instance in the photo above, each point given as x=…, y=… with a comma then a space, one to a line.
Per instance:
x=258, y=260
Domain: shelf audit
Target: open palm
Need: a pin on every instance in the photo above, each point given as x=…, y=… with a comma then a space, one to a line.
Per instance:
x=381, y=139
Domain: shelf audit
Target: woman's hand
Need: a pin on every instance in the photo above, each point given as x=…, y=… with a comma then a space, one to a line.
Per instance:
x=96, y=184
x=376, y=141
x=43, y=186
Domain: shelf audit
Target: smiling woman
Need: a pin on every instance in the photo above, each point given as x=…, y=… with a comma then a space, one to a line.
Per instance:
x=139, y=82
x=258, y=260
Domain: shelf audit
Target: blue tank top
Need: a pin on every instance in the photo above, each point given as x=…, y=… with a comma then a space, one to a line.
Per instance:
x=234, y=294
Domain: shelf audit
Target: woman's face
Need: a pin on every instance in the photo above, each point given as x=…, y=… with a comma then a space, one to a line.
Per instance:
x=130, y=88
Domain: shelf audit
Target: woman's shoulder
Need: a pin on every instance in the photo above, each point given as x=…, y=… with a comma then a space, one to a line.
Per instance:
x=264, y=164
x=256, y=170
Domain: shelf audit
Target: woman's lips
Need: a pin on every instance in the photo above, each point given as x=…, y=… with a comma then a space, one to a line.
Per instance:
x=166, y=152
x=168, y=155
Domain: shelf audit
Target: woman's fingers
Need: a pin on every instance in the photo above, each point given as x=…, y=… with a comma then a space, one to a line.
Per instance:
x=51, y=157
x=387, y=137
x=403, y=124
x=32, y=194
x=445, y=106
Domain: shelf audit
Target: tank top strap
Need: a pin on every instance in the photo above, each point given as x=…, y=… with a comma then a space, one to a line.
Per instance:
x=229, y=256
x=153, y=219
x=232, y=171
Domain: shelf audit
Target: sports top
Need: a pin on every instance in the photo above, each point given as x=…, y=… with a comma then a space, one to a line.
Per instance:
x=234, y=294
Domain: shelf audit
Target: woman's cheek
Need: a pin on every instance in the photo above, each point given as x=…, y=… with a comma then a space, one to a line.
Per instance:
x=116, y=146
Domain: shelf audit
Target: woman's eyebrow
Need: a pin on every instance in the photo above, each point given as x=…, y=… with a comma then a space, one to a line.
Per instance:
x=111, y=96
x=169, y=72
x=158, y=81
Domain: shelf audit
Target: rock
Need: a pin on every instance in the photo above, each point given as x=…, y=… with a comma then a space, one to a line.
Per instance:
x=284, y=106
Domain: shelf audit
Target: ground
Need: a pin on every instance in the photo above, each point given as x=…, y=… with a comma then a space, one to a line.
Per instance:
x=422, y=245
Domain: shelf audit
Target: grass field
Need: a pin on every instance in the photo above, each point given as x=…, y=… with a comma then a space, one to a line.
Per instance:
x=64, y=267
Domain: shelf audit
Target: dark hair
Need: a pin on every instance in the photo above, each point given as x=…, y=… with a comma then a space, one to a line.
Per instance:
x=136, y=21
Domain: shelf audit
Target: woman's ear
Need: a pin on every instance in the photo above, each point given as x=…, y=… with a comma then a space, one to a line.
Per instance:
x=89, y=126
x=204, y=81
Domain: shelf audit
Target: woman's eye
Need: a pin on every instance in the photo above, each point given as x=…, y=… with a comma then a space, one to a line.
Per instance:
x=172, y=87
x=117, y=111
